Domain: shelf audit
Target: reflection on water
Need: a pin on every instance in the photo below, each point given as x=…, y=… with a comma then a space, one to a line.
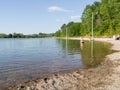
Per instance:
x=93, y=52
x=92, y=49
x=26, y=59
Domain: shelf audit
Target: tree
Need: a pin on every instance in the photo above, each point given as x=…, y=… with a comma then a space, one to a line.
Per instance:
x=73, y=29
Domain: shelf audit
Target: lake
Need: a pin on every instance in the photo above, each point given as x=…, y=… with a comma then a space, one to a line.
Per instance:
x=27, y=59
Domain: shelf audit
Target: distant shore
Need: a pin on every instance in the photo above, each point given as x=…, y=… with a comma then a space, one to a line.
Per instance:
x=104, y=77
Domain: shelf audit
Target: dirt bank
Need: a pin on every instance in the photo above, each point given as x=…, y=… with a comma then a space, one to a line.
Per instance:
x=105, y=77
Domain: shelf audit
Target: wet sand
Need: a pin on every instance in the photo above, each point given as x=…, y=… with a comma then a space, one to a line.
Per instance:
x=104, y=77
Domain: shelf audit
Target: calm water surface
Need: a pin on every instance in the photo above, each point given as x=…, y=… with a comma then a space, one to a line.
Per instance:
x=26, y=59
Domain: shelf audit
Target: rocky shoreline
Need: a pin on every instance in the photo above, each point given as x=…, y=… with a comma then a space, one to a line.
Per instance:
x=104, y=77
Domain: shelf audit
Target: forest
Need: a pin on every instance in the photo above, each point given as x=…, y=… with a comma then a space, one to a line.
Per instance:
x=106, y=21
x=20, y=35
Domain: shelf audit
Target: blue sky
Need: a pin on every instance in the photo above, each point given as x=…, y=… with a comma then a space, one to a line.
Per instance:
x=34, y=16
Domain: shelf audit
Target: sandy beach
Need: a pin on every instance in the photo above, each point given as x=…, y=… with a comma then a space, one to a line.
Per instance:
x=104, y=77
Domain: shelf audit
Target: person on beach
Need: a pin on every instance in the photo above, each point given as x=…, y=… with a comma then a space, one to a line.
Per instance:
x=81, y=40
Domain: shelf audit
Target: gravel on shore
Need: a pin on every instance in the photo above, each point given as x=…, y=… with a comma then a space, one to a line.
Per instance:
x=104, y=77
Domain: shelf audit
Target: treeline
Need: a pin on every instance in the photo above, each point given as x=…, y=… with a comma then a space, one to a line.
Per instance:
x=106, y=20
x=72, y=29
x=20, y=35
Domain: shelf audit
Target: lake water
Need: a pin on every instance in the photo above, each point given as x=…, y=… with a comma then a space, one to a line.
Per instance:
x=26, y=59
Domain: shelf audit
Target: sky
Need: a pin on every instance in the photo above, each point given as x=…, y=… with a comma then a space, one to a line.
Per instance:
x=34, y=16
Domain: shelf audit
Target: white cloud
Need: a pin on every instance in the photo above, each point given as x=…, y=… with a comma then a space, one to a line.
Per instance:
x=75, y=17
x=56, y=8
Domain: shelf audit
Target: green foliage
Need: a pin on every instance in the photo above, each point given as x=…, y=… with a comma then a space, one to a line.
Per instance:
x=72, y=29
x=3, y=35
x=57, y=33
x=106, y=17
x=20, y=35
